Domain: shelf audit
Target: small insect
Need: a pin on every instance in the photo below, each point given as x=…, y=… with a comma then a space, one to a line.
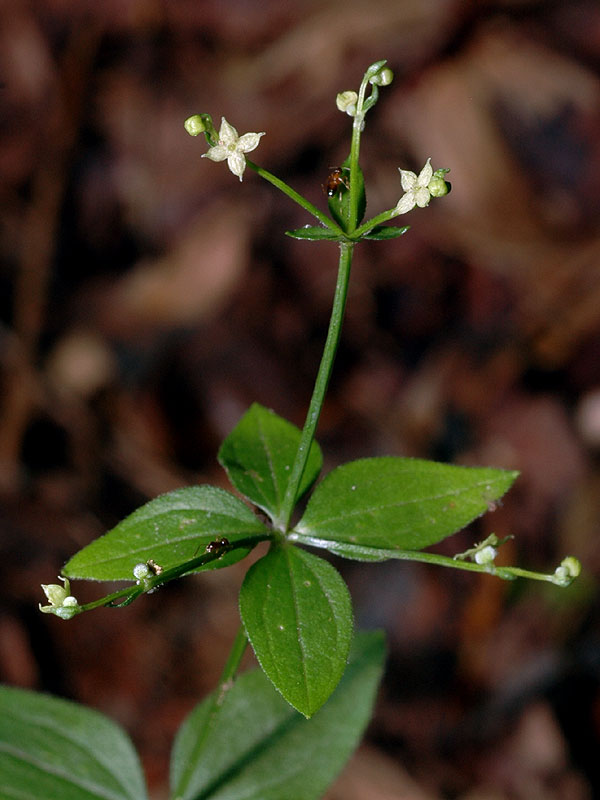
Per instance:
x=154, y=567
x=336, y=181
x=217, y=545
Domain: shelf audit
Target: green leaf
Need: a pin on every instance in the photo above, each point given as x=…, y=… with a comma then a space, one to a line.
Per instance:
x=398, y=503
x=52, y=749
x=170, y=529
x=383, y=232
x=259, y=748
x=298, y=616
x=315, y=233
x=339, y=203
x=258, y=456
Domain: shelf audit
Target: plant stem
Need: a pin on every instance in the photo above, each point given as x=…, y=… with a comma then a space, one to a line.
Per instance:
x=130, y=593
x=215, y=702
x=297, y=198
x=321, y=383
x=375, y=221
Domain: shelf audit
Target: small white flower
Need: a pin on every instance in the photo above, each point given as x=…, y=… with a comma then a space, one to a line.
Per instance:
x=232, y=147
x=416, y=188
x=141, y=571
x=346, y=101
x=62, y=603
x=485, y=555
x=566, y=573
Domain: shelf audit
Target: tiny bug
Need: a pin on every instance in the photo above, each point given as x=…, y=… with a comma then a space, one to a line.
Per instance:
x=217, y=545
x=335, y=181
x=154, y=567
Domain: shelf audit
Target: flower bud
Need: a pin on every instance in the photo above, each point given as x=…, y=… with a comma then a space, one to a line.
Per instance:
x=383, y=78
x=346, y=101
x=486, y=555
x=438, y=187
x=196, y=124
x=141, y=571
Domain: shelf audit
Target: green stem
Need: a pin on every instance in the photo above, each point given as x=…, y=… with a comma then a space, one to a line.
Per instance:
x=216, y=700
x=321, y=383
x=506, y=573
x=297, y=198
x=130, y=593
x=375, y=554
x=357, y=127
x=372, y=223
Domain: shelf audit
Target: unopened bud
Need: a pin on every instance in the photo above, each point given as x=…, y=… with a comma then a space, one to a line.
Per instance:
x=196, y=124
x=383, y=78
x=486, y=555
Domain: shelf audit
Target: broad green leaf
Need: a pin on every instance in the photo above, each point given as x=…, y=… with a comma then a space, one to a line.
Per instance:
x=339, y=203
x=399, y=503
x=53, y=749
x=315, y=233
x=258, y=748
x=170, y=529
x=298, y=616
x=383, y=232
x=258, y=456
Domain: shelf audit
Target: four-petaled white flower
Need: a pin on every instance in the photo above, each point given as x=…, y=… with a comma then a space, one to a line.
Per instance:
x=416, y=188
x=232, y=147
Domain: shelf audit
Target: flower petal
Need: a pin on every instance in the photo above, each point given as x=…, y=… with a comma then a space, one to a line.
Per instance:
x=426, y=174
x=237, y=164
x=216, y=153
x=406, y=203
x=408, y=179
x=422, y=197
x=248, y=142
x=227, y=133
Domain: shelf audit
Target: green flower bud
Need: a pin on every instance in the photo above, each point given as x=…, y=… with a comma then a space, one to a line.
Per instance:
x=486, y=555
x=383, y=78
x=195, y=125
x=141, y=571
x=438, y=187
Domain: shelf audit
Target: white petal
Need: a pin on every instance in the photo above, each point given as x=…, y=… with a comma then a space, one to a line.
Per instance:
x=422, y=197
x=406, y=203
x=216, y=153
x=426, y=174
x=237, y=164
x=248, y=142
x=227, y=133
x=408, y=179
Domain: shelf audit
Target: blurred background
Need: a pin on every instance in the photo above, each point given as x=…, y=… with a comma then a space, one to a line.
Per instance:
x=147, y=298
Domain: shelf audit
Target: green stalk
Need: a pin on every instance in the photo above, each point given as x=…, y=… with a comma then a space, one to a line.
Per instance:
x=321, y=383
x=367, y=226
x=297, y=198
x=216, y=701
x=357, y=127
x=123, y=597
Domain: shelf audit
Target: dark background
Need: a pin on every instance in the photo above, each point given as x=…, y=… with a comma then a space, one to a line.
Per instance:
x=147, y=298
